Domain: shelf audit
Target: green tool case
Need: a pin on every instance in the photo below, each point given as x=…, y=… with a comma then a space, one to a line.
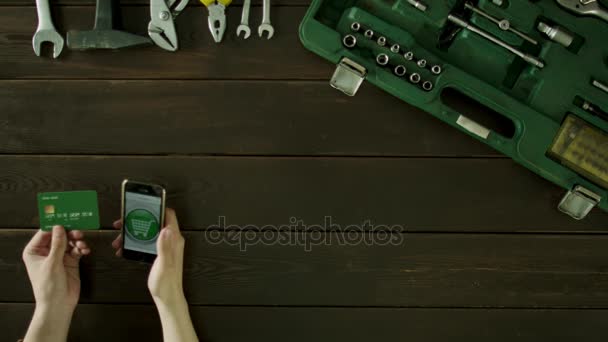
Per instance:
x=532, y=76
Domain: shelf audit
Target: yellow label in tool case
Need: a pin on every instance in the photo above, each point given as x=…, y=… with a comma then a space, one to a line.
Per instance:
x=583, y=148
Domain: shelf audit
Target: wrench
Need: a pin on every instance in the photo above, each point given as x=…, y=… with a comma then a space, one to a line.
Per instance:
x=46, y=31
x=585, y=7
x=244, y=27
x=266, y=26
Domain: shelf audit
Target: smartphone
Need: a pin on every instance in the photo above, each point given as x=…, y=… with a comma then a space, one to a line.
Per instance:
x=143, y=216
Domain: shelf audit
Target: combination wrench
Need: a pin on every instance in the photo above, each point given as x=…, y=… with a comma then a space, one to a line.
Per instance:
x=46, y=31
x=244, y=26
x=266, y=26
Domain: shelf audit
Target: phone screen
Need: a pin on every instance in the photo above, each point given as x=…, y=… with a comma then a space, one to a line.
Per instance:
x=142, y=222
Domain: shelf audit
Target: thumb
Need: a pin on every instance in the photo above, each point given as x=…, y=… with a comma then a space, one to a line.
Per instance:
x=59, y=243
x=163, y=245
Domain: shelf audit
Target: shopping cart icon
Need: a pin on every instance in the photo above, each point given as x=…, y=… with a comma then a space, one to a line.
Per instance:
x=141, y=227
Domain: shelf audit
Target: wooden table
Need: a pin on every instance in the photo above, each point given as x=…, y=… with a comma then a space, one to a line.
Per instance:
x=251, y=131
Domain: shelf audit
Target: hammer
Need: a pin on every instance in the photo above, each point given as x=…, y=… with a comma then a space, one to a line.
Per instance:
x=103, y=35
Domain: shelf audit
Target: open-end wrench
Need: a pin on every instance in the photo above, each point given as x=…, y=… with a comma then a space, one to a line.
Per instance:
x=585, y=7
x=46, y=31
x=266, y=26
x=244, y=26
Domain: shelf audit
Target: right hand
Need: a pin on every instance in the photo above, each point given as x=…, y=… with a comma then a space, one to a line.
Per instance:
x=165, y=279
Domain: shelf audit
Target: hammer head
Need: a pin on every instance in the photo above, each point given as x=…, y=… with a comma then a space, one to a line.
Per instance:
x=104, y=39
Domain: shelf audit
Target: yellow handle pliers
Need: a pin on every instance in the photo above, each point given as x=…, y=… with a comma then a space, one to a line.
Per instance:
x=217, y=17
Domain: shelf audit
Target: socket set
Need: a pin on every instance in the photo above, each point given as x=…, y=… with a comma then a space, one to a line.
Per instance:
x=403, y=63
x=540, y=68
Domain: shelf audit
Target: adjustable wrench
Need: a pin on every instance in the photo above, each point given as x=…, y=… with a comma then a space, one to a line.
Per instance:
x=585, y=7
x=266, y=26
x=46, y=31
x=244, y=26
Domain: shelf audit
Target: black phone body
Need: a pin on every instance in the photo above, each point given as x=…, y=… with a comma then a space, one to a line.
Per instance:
x=143, y=216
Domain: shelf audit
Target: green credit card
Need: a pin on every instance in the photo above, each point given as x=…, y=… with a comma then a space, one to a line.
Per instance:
x=74, y=210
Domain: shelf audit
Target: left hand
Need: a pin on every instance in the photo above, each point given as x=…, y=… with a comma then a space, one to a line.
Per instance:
x=52, y=262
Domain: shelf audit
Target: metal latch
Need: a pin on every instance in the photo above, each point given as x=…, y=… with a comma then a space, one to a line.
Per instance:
x=348, y=76
x=579, y=202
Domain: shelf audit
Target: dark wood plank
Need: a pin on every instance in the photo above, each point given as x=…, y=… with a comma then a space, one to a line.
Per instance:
x=419, y=194
x=201, y=117
x=283, y=57
x=415, y=270
x=140, y=323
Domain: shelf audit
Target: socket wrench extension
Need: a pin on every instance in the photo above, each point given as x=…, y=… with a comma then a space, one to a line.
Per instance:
x=526, y=57
x=503, y=24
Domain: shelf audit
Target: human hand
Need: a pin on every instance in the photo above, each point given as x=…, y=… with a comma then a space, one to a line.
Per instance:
x=165, y=279
x=51, y=260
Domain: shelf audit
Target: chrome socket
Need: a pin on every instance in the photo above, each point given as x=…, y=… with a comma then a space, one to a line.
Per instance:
x=427, y=85
x=349, y=41
x=400, y=70
x=415, y=78
x=382, y=59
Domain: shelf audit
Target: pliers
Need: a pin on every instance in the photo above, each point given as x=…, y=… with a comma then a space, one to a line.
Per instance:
x=585, y=7
x=162, y=27
x=217, y=17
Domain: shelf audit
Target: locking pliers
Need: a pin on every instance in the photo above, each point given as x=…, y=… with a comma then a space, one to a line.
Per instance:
x=162, y=26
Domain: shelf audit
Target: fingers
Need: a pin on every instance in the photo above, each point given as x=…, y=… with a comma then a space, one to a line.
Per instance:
x=40, y=240
x=81, y=245
x=171, y=220
x=117, y=224
x=75, y=235
x=59, y=243
x=75, y=241
x=117, y=243
x=75, y=253
x=79, y=250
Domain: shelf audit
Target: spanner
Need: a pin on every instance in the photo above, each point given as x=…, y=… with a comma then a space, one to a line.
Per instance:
x=46, y=31
x=244, y=26
x=266, y=26
x=585, y=7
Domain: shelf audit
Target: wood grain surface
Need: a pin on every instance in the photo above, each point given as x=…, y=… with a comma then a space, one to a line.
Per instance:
x=410, y=270
x=201, y=117
x=420, y=194
x=252, y=132
x=236, y=324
